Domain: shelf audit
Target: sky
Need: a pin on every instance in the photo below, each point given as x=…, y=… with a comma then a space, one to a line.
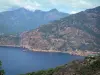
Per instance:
x=68, y=6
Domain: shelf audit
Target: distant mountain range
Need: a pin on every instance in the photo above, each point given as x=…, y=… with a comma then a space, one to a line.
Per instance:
x=20, y=20
x=79, y=31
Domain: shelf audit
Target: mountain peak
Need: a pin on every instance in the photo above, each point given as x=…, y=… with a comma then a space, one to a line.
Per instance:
x=26, y=20
x=38, y=11
x=53, y=10
x=22, y=9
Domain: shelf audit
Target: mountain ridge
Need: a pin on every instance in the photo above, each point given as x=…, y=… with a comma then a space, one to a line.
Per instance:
x=76, y=32
x=19, y=20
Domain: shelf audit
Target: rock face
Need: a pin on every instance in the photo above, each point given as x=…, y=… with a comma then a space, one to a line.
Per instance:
x=20, y=20
x=79, y=31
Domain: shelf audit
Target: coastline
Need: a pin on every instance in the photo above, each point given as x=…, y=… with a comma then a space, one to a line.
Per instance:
x=71, y=52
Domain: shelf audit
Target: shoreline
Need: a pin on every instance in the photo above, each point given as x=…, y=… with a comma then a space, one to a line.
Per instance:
x=71, y=52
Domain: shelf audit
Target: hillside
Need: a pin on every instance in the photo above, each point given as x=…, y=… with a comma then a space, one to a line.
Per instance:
x=9, y=40
x=20, y=20
x=89, y=66
x=79, y=31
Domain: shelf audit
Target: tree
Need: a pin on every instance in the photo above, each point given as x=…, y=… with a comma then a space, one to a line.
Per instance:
x=1, y=71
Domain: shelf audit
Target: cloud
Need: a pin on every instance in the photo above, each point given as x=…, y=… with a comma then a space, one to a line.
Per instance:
x=28, y=4
x=73, y=12
x=76, y=3
x=70, y=6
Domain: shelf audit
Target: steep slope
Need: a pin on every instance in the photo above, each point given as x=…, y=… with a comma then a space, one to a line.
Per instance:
x=79, y=31
x=19, y=20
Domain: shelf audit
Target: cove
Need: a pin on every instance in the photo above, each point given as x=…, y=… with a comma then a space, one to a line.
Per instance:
x=20, y=61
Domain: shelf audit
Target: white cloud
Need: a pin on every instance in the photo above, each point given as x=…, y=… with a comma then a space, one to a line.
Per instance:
x=82, y=4
x=76, y=3
x=28, y=4
x=65, y=5
x=73, y=12
x=37, y=4
x=53, y=2
x=29, y=7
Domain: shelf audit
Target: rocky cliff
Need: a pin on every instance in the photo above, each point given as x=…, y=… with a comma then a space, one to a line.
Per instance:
x=79, y=31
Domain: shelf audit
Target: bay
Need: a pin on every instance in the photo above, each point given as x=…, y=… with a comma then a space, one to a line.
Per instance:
x=20, y=61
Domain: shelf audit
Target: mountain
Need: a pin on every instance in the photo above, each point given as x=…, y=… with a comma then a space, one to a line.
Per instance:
x=89, y=66
x=20, y=20
x=79, y=31
x=10, y=40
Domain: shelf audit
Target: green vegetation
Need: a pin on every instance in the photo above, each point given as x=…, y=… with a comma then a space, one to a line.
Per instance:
x=45, y=72
x=1, y=71
x=92, y=66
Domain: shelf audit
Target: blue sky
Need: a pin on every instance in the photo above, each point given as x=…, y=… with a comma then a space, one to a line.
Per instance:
x=69, y=6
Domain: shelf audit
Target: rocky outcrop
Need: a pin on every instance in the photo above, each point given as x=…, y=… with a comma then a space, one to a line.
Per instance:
x=76, y=32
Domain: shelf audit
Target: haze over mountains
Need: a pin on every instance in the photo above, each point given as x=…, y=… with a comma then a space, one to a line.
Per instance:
x=20, y=20
x=79, y=31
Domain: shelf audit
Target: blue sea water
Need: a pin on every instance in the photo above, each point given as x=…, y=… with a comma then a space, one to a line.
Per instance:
x=17, y=61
